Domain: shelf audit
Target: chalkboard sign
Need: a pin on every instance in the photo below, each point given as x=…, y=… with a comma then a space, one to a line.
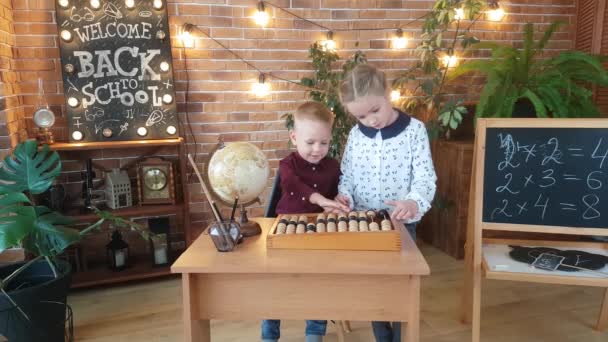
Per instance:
x=546, y=176
x=117, y=69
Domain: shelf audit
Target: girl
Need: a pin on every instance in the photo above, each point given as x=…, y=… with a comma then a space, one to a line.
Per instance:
x=386, y=163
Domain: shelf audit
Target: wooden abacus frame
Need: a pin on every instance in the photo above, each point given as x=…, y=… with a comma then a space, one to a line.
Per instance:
x=387, y=240
x=475, y=263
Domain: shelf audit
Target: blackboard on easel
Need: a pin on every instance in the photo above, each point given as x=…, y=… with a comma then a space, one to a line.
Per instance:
x=537, y=176
x=546, y=176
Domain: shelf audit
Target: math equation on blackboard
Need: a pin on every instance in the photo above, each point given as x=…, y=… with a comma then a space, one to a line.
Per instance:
x=546, y=176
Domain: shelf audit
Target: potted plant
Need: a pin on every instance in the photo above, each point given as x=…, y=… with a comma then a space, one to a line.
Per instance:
x=521, y=84
x=324, y=85
x=32, y=302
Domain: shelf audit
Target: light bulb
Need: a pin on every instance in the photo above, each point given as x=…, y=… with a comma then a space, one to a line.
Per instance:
x=158, y=4
x=130, y=3
x=329, y=44
x=459, y=14
x=73, y=102
x=77, y=135
x=187, y=40
x=261, y=17
x=95, y=4
x=449, y=61
x=395, y=95
x=167, y=98
x=399, y=41
x=261, y=88
x=69, y=68
x=171, y=130
x=64, y=3
x=66, y=35
x=496, y=14
x=164, y=66
x=142, y=131
x=160, y=35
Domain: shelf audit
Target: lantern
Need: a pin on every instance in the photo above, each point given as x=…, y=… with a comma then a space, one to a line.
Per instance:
x=117, y=251
x=160, y=246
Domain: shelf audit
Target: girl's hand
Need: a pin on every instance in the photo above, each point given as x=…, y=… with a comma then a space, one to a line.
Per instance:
x=404, y=210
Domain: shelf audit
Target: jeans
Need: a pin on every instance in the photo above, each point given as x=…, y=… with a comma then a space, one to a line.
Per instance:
x=271, y=329
x=385, y=331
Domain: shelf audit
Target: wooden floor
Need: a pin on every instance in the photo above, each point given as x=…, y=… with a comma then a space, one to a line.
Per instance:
x=517, y=312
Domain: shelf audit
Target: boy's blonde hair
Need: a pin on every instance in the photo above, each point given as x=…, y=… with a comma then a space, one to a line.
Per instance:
x=363, y=80
x=314, y=111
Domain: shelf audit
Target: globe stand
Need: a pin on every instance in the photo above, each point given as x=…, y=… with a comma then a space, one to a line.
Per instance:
x=248, y=228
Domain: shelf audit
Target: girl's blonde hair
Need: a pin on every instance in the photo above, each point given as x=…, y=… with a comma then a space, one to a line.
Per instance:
x=363, y=80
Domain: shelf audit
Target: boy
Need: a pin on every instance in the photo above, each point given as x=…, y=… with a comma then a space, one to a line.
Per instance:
x=308, y=180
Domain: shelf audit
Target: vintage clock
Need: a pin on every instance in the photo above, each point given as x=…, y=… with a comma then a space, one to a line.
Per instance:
x=155, y=181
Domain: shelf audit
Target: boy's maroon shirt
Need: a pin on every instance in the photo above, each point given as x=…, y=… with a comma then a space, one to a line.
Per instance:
x=300, y=179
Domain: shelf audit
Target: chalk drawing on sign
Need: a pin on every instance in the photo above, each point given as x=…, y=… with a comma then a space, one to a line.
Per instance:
x=78, y=123
x=111, y=11
x=155, y=117
x=168, y=84
x=65, y=23
x=160, y=21
x=72, y=86
x=77, y=17
x=145, y=14
x=130, y=114
x=95, y=113
x=123, y=128
x=99, y=126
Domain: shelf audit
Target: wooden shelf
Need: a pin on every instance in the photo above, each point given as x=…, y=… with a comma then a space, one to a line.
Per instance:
x=99, y=145
x=102, y=275
x=135, y=211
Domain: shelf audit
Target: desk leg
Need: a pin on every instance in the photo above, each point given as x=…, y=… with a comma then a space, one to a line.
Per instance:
x=411, y=331
x=602, y=321
x=195, y=330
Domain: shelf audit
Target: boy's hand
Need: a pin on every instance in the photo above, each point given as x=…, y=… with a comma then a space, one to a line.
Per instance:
x=343, y=199
x=327, y=204
x=404, y=210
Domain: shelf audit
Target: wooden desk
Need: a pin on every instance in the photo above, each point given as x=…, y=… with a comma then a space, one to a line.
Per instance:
x=255, y=283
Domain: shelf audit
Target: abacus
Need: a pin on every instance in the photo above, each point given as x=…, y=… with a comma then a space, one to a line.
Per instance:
x=362, y=230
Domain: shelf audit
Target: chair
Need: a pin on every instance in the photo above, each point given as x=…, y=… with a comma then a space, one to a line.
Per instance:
x=271, y=211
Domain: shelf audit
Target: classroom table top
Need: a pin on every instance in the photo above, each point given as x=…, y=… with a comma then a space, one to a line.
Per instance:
x=252, y=256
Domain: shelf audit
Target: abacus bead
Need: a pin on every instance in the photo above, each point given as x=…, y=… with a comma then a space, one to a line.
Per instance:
x=281, y=228
x=386, y=225
x=363, y=226
x=374, y=226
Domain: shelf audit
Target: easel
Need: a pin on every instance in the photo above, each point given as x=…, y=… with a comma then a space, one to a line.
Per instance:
x=475, y=264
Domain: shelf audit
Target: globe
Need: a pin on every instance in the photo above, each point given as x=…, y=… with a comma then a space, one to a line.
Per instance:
x=239, y=169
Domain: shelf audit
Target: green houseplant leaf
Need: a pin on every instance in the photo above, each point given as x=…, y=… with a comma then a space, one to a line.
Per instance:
x=556, y=87
x=29, y=169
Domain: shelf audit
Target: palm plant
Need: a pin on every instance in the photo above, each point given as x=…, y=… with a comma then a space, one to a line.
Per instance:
x=43, y=233
x=324, y=85
x=556, y=86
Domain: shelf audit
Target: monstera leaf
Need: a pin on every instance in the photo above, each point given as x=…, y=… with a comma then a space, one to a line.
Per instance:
x=50, y=235
x=16, y=219
x=29, y=169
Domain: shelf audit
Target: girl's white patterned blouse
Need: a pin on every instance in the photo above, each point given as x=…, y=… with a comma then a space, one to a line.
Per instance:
x=393, y=163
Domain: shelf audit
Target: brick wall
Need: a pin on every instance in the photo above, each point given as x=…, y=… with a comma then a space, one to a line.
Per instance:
x=219, y=101
x=11, y=111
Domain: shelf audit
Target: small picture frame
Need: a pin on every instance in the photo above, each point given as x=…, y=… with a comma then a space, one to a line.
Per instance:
x=548, y=262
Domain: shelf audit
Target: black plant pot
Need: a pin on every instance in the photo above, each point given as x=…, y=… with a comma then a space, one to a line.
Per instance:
x=42, y=297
